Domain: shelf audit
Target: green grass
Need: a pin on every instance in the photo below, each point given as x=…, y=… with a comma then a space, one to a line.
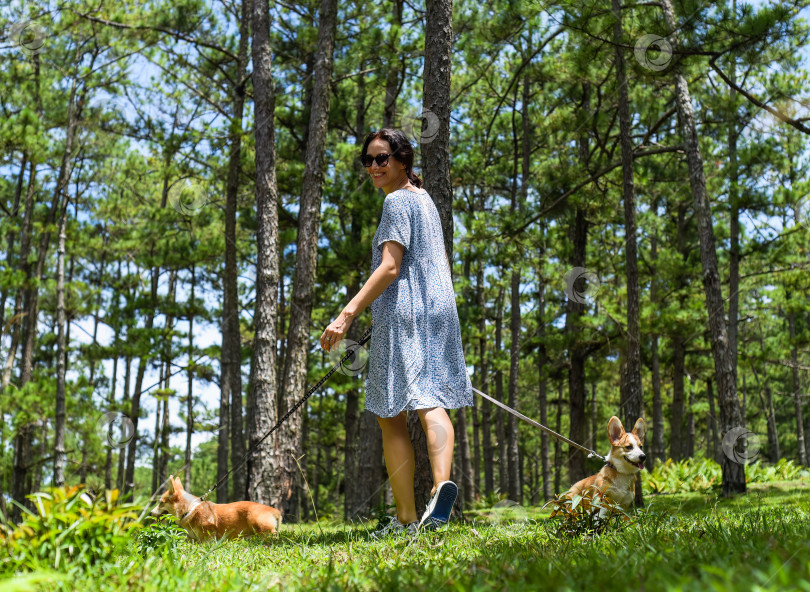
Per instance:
x=684, y=541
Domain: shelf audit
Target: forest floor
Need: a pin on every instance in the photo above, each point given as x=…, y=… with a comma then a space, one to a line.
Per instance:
x=687, y=541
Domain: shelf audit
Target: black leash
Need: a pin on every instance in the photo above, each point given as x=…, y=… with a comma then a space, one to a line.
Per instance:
x=351, y=351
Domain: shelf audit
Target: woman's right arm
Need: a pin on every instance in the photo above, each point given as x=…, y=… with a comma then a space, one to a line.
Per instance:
x=382, y=277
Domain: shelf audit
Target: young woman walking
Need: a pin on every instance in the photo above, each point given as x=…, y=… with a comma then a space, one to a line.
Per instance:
x=416, y=362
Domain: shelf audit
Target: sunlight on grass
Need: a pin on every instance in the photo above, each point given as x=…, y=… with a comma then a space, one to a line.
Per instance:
x=683, y=541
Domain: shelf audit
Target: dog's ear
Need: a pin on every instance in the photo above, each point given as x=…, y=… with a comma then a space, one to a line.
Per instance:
x=640, y=430
x=171, y=484
x=615, y=430
x=177, y=484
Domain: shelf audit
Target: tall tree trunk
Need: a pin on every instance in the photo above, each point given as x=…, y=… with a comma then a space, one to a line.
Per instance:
x=542, y=362
x=658, y=446
x=190, y=389
x=558, y=459
x=465, y=462
x=135, y=402
x=262, y=412
x=500, y=423
x=594, y=439
x=60, y=456
x=632, y=394
x=122, y=450
x=436, y=99
x=351, y=423
x=370, y=468
x=773, y=434
x=733, y=472
x=578, y=427
x=110, y=405
x=486, y=406
x=713, y=445
x=295, y=364
x=795, y=386
x=231, y=363
x=689, y=451
x=677, y=424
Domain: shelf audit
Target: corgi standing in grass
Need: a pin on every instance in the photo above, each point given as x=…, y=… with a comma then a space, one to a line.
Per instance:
x=617, y=478
x=202, y=520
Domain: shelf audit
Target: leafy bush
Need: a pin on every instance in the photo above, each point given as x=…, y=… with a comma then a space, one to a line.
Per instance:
x=703, y=475
x=592, y=513
x=68, y=529
x=692, y=474
x=161, y=536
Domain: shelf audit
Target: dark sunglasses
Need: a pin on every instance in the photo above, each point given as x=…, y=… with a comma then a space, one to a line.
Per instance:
x=381, y=159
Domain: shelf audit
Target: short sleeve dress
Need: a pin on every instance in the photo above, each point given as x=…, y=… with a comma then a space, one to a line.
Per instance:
x=416, y=360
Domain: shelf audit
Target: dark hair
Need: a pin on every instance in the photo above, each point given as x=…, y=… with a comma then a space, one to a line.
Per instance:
x=401, y=149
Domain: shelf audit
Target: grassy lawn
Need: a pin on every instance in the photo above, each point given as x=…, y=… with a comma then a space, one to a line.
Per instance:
x=686, y=541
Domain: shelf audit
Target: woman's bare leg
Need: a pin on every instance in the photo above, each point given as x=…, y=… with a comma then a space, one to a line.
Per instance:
x=399, y=463
x=440, y=440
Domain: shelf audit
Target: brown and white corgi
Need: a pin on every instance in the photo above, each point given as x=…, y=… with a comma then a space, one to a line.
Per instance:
x=202, y=520
x=626, y=458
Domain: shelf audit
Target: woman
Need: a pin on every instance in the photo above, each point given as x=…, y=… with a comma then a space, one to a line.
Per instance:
x=416, y=361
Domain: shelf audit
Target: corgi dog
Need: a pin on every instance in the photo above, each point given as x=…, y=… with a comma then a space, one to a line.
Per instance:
x=202, y=520
x=617, y=478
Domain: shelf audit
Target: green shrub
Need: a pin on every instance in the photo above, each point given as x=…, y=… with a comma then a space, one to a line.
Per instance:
x=703, y=475
x=69, y=529
x=160, y=537
x=589, y=514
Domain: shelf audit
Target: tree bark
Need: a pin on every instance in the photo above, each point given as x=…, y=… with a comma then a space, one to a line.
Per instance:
x=262, y=412
x=486, y=406
x=542, y=362
x=733, y=472
x=658, y=446
x=287, y=437
x=231, y=363
x=436, y=152
x=713, y=445
x=60, y=456
x=465, y=462
x=632, y=394
x=576, y=372
x=795, y=386
x=190, y=378
x=500, y=423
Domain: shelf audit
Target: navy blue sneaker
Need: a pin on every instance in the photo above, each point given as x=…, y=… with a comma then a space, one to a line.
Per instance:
x=439, y=507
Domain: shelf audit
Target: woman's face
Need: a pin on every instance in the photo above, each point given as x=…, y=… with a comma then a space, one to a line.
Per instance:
x=390, y=176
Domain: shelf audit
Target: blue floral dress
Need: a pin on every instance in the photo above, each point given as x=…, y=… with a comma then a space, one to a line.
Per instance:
x=416, y=359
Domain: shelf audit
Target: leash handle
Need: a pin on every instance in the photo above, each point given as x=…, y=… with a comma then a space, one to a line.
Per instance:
x=366, y=336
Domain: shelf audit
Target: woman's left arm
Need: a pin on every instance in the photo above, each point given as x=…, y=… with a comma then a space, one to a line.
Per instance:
x=382, y=277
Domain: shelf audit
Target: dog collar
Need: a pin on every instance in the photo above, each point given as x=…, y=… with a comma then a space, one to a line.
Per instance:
x=610, y=464
x=190, y=510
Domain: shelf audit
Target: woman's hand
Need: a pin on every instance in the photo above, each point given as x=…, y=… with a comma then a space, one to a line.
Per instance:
x=336, y=331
